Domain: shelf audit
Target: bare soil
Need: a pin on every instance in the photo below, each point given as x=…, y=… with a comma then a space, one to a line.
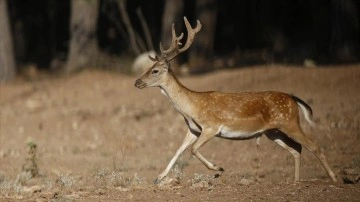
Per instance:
x=98, y=138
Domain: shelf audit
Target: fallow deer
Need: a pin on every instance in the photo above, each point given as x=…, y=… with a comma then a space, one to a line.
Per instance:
x=234, y=116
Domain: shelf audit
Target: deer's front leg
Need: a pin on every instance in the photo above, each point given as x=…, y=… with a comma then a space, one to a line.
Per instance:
x=189, y=140
x=205, y=136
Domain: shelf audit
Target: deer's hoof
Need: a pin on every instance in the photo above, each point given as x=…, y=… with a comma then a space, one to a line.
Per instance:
x=157, y=181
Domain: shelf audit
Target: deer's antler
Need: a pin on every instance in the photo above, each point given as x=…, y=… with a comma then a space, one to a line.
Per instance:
x=174, y=49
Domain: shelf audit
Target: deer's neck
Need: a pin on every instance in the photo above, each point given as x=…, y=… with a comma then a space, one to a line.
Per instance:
x=180, y=97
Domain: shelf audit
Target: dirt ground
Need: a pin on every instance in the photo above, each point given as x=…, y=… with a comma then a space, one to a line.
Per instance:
x=93, y=136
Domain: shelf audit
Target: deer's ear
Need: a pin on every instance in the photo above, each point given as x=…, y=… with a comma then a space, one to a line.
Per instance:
x=154, y=59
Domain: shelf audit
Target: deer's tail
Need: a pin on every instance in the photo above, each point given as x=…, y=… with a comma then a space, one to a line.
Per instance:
x=305, y=109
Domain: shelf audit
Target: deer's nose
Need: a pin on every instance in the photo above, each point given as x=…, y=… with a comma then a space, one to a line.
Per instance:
x=138, y=83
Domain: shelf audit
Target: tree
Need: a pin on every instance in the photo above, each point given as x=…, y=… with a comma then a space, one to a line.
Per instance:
x=203, y=47
x=173, y=12
x=83, y=40
x=7, y=63
x=345, y=30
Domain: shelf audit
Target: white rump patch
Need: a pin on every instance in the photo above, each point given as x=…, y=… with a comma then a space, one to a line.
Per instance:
x=307, y=115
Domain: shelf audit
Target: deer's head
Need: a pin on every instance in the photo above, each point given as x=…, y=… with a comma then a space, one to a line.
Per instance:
x=158, y=73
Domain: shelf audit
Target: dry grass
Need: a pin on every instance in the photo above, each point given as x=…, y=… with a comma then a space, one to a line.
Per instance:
x=99, y=139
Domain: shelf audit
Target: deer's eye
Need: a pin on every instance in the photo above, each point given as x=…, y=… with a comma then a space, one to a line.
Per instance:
x=155, y=71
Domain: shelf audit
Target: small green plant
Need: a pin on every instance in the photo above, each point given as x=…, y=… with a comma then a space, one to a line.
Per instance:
x=31, y=165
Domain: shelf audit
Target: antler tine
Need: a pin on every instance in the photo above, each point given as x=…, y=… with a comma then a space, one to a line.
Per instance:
x=174, y=49
x=174, y=43
x=191, y=34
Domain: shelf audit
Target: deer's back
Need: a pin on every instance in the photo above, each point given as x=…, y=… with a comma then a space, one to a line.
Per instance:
x=253, y=109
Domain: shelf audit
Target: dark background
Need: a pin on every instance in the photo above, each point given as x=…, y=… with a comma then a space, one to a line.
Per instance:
x=326, y=31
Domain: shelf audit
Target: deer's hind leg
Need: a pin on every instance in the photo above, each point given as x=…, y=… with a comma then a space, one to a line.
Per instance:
x=287, y=143
x=299, y=136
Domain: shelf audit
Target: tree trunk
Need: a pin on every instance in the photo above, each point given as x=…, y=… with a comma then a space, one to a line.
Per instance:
x=173, y=11
x=345, y=30
x=7, y=63
x=203, y=47
x=83, y=41
x=130, y=29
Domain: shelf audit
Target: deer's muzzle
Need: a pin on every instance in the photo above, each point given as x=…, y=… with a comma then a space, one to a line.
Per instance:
x=140, y=84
